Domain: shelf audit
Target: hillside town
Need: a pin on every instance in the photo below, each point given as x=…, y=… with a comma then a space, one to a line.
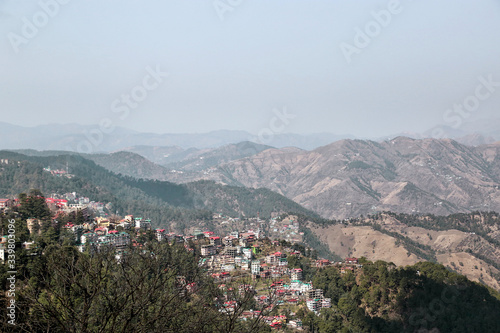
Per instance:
x=261, y=262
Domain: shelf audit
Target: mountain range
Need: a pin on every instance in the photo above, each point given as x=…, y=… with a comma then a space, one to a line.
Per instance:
x=468, y=243
x=347, y=178
x=95, y=139
x=98, y=139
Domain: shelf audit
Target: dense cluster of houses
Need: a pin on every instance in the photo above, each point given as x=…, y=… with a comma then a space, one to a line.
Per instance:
x=103, y=232
x=242, y=251
x=221, y=256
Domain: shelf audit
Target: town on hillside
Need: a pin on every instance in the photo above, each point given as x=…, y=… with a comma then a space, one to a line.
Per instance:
x=272, y=265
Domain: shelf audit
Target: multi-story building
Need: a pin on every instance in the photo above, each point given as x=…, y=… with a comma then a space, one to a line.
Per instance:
x=231, y=251
x=143, y=224
x=296, y=274
x=161, y=234
x=282, y=262
x=113, y=238
x=208, y=250
x=255, y=267
x=313, y=305
x=215, y=240
x=118, y=239
x=88, y=237
x=247, y=252
x=315, y=294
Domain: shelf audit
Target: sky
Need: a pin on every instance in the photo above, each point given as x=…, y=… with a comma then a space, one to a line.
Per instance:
x=367, y=68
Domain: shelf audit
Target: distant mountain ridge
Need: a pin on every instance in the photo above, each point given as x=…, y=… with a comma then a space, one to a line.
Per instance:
x=354, y=177
x=347, y=178
x=91, y=139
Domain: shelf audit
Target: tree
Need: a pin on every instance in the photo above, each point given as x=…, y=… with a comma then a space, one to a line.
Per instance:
x=147, y=292
x=158, y=288
x=33, y=205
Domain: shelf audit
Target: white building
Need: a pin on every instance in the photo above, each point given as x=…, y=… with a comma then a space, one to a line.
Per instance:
x=140, y=223
x=255, y=267
x=247, y=252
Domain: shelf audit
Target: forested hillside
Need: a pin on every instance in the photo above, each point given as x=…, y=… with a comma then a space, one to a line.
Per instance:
x=163, y=202
x=425, y=297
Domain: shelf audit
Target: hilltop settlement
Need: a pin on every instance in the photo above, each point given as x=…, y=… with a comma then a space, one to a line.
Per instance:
x=275, y=267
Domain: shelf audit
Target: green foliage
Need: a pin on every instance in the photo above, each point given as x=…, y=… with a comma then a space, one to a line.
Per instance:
x=303, y=263
x=33, y=205
x=384, y=298
x=163, y=202
x=158, y=288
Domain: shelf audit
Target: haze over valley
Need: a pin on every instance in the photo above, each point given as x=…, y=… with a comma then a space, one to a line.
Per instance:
x=250, y=166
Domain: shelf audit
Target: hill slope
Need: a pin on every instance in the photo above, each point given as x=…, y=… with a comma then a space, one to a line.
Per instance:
x=354, y=177
x=161, y=201
x=466, y=243
x=347, y=178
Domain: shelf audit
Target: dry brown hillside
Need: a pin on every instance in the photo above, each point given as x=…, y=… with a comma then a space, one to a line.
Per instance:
x=353, y=177
x=473, y=250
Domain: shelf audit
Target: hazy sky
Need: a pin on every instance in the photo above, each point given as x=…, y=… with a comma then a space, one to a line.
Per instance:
x=231, y=62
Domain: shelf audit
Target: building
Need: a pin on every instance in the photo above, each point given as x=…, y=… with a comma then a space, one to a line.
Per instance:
x=215, y=240
x=161, y=234
x=88, y=237
x=322, y=263
x=124, y=224
x=228, y=267
x=313, y=305
x=114, y=238
x=228, y=240
x=315, y=294
x=247, y=252
x=118, y=239
x=208, y=234
x=6, y=203
x=296, y=274
x=208, y=250
x=231, y=251
x=102, y=222
x=295, y=323
x=326, y=303
x=344, y=270
x=56, y=204
x=255, y=267
x=271, y=259
x=283, y=262
x=351, y=261
x=143, y=224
